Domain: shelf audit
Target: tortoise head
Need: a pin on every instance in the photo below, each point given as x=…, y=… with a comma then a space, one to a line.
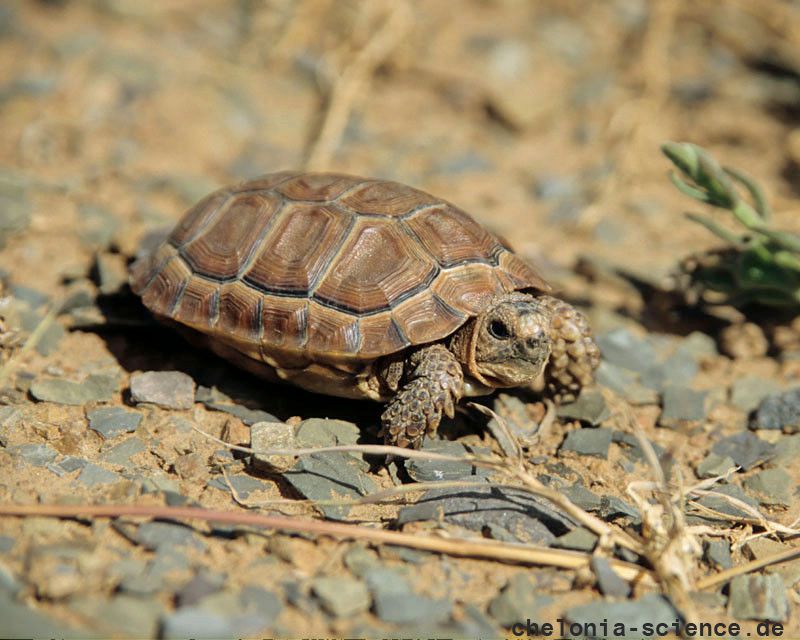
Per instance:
x=508, y=344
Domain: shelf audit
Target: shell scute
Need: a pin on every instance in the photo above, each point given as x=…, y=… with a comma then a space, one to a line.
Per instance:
x=319, y=187
x=382, y=197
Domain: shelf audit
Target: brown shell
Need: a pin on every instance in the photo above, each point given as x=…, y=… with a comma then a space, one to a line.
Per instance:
x=326, y=268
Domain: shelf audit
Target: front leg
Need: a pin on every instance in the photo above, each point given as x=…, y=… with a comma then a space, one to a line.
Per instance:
x=433, y=386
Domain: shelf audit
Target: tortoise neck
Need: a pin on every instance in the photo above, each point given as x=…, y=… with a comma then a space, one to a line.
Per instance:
x=462, y=345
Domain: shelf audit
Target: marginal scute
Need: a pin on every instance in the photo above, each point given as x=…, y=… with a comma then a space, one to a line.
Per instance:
x=380, y=336
x=295, y=252
x=381, y=197
x=198, y=305
x=240, y=312
x=518, y=275
x=223, y=248
x=451, y=236
x=145, y=268
x=332, y=334
x=320, y=187
x=425, y=318
x=377, y=266
x=163, y=293
x=265, y=183
x=285, y=322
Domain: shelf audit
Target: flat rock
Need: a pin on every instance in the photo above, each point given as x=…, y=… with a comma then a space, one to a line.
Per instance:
x=716, y=500
x=632, y=448
x=243, y=484
x=520, y=599
x=679, y=367
x=682, y=404
x=612, y=507
x=92, y=475
x=608, y=581
x=590, y=407
x=159, y=535
x=582, y=497
x=626, y=350
x=200, y=585
x=20, y=621
x=588, y=442
x=509, y=513
x=773, y=486
x=746, y=449
x=756, y=597
x=328, y=476
x=199, y=622
x=96, y=388
x=787, y=450
x=578, y=539
x=341, y=597
x=253, y=598
x=39, y=455
x=121, y=453
x=714, y=465
x=423, y=470
x=652, y=609
x=395, y=602
x=779, y=411
x=748, y=392
x=168, y=389
x=272, y=434
x=112, y=421
x=324, y=432
x=359, y=560
x=718, y=553
x=122, y=615
x=626, y=383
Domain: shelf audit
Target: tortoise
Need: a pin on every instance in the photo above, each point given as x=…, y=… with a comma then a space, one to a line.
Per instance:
x=363, y=288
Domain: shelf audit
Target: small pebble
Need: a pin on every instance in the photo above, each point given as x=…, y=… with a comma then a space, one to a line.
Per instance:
x=700, y=345
x=520, y=599
x=779, y=411
x=716, y=501
x=164, y=536
x=272, y=435
x=342, y=597
x=718, y=554
x=682, y=404
x=112, y=272
x=746, y=340
x=396, y=603
x=324, y=432
x=112, y=421
x=626, y=350
x=609, y=583
x=243, y=485
x=39, y=455
x=756, y=597
x=200, y=585
x=590, y=407
x=746, y=449
x=96, y=388
x=578, y=539
x=714, y=465
x=588, y=442
x=747, y=393
x=121, y=453
x=626, y=383
x=423, y=470
x=650, y=609
x=92, y=475
x=773, y=486
x=168, y=389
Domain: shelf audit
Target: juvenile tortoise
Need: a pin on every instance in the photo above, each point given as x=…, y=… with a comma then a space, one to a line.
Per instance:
x=363, y=289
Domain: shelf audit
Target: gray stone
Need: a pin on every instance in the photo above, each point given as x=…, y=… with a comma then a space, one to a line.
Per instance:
x=98, y=225
x=747, y=393
x=120, y=453
x=716, y=501
x=630, y=445
x=112, y=273
x=519, y=600
x=271, y=435
x=718, y=554
x=746, y=449
x=253, y=598
x=714, y=465
x=92, y=475
x=680, y=367
x=682, y=404
x=395, y=602
x=588, y=442
x=328, y=476
x=244, y=485
x=590, y=407
x=423, y=470
x=112, y=421
x=7, y=543
x=522, y=516
x=123, y=615
x=19, y=621
x=779, y=411
x=624, y=349
x=650, y=609
x=582, y=497
x=168, y=389
x=96, y=388
x=700, y=345
x=200, y=585
x=50, y=339
x=579, y=539
x=612, y=507
x=626, y=383
x=787, y=450
x=248, y=416
x=340, y=596
x=200, y=623
x=755, y=597
x=360, y=560
x=773, y=486
x=39, y=455
x=609, y=583
x=72, y=463
x=323, y=432
x=163, y=536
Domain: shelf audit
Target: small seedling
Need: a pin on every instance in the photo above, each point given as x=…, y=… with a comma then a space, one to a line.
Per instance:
x=760, y=265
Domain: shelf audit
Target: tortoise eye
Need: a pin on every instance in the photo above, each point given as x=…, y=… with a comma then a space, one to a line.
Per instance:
x=499, y=329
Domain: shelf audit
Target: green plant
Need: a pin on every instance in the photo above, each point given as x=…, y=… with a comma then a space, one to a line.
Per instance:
x=760, y=265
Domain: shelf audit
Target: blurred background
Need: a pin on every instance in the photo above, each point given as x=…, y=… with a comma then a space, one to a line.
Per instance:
x=543, y=119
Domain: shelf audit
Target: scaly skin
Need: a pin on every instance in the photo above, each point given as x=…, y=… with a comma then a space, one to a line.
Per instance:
x=574, y=355
x=434, y=385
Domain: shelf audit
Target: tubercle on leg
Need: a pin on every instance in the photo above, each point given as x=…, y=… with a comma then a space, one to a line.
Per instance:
x=574, y=355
